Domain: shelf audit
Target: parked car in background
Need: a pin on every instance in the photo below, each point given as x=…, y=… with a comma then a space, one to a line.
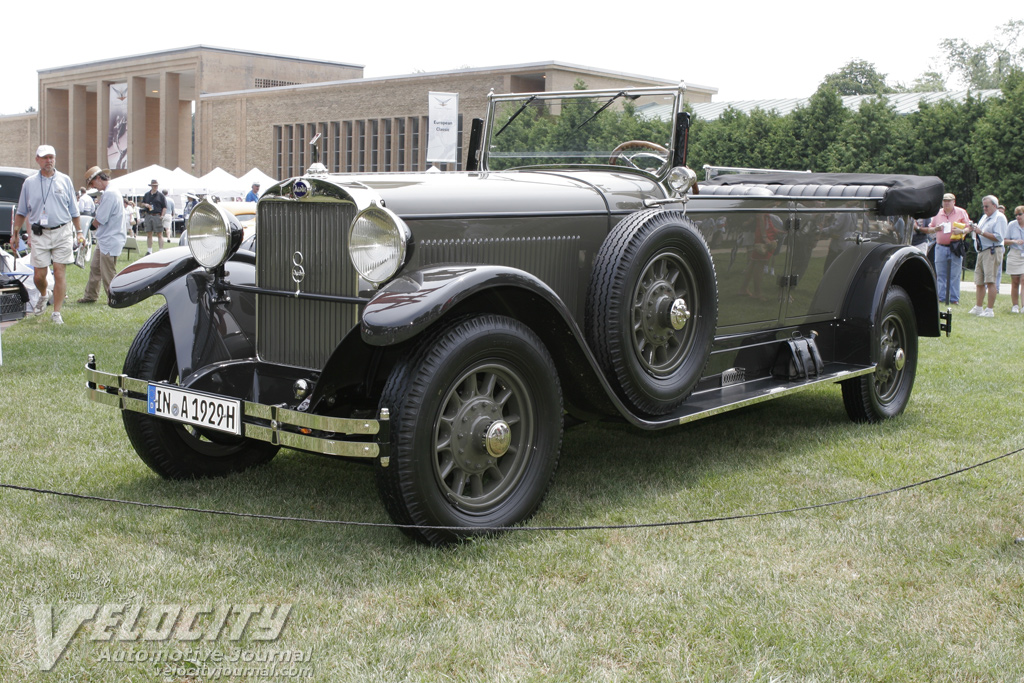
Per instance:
x=11, y=180
x=245, y=212
x=445, y=326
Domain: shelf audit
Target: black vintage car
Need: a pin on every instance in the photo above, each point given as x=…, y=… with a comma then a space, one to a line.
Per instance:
x=11, y=180
x=444, y=326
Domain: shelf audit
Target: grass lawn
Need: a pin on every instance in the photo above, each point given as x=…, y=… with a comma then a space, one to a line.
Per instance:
x=925, y=585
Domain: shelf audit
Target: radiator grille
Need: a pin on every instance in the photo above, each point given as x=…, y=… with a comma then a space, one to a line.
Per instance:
x=554, y=259
x=301, y=332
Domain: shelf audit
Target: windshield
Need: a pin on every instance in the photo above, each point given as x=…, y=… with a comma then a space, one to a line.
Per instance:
x=631, y=129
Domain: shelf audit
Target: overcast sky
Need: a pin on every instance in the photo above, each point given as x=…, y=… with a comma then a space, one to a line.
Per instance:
x=746, y=49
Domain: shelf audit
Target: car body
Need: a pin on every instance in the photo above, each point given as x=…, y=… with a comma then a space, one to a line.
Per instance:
x=444, y=326
x=11, y=180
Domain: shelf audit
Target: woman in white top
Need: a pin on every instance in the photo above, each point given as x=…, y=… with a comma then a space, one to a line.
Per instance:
x=1015, y=256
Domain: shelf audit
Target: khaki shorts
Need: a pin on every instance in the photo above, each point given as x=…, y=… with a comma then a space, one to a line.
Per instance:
x=989, y=268
x=53, y=246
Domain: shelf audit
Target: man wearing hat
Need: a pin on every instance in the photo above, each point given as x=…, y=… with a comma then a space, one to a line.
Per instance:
x=156, y=204
x=254, y=193
x=949, y=253
x=48, y=200
x=110, y=233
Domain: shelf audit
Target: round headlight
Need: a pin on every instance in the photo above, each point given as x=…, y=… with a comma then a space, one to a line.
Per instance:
x=681, y=179
x=213, y=234
x=376, y=244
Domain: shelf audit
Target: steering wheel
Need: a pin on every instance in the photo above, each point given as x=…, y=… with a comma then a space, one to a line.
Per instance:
x=637, y=144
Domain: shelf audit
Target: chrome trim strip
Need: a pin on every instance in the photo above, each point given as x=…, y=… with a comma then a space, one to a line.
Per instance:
x=775, y=392
x=99, y=386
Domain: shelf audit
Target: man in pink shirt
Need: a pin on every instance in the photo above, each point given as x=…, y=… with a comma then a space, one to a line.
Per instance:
x=949, y=253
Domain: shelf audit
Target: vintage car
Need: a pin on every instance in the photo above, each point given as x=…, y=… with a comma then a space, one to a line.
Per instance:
x=446, y=326
x=11, y=180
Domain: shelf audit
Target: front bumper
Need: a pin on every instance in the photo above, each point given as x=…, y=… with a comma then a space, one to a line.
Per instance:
x=273, y=424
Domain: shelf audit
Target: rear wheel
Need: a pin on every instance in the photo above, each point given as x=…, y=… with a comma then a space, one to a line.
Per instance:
x=886, y=392
x=476, y=427
x=171, y=449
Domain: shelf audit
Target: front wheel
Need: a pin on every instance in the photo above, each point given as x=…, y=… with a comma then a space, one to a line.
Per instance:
x=476, y=427
x=885, y=394
x=171, y=449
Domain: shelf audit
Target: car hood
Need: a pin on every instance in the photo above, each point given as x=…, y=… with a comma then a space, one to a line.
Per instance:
x=426, y=195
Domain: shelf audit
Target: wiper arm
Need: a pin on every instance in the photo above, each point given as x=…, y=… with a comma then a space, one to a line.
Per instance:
x=607, y=104
x=513, y=117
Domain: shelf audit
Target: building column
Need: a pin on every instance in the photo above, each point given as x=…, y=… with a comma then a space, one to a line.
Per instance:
x=55, y=123
x=136, y=123
x=169, y=95
x=102, y=121
x=77, y=133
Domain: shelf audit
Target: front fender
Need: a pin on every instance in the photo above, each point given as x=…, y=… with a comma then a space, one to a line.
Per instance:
x=147, y=276
x=410, y=304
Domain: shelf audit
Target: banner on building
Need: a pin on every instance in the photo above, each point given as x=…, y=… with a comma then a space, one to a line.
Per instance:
x=117, y=133
x=443, y=128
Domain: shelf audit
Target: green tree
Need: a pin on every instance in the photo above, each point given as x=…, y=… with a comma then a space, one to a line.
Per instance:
x=986, y=65
x=929, y=81
x=995, y=143
x=875, y=139
x=941, y=144
x=858, y=77
x=815, y=127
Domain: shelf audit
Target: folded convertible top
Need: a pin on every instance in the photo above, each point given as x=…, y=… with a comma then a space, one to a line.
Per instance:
x=897, y=195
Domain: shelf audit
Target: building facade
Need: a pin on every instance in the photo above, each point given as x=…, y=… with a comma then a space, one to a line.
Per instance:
x=202, y=107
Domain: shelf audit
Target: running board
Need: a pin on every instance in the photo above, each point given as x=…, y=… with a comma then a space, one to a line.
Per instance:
x=715, y=401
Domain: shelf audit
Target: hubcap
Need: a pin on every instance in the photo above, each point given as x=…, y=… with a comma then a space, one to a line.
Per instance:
x=892, y=359
x=498, y=438
x=483, y=437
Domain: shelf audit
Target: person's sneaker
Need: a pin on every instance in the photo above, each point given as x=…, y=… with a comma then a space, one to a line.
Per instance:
x=148, y=252
x=1015, y=309
x=976, y=310
x=57, y=318
x=40, y=306
x=987, y=313
x=83, y=300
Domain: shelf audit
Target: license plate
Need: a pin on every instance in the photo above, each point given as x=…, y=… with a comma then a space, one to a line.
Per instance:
x=195, y=408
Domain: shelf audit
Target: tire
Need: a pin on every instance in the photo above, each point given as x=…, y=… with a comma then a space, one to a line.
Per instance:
x=649, y=261
x=477, y=373
x=171, y=449
x=886, y=392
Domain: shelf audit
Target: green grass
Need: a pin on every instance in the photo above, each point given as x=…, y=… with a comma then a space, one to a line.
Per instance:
x=925, y=585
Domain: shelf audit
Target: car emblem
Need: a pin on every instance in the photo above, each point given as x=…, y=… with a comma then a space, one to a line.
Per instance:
x=302, y=189
x=298, y=272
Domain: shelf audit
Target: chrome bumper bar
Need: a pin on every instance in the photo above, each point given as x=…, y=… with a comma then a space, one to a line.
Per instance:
x=276, y=425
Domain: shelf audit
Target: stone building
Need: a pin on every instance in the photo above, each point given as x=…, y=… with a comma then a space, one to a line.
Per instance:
x=247, y=109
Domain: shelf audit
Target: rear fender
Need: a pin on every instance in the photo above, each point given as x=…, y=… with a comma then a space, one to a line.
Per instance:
x=906, y=267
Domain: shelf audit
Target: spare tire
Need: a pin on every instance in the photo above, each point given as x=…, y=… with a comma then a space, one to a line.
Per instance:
x=652, y=309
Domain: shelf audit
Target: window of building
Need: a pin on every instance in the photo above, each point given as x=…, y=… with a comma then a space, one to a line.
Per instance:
x=401, y=143
x=335, y=164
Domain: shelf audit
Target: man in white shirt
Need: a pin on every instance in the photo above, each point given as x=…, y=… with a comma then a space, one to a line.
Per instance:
x=48, y=200
x=110, y=234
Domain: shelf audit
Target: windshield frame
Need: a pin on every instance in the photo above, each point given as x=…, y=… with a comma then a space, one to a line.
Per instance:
x=494, y=102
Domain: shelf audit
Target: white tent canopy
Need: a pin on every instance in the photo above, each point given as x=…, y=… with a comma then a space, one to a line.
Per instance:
x=223, y=184
x=137, y=182
x=255, y=175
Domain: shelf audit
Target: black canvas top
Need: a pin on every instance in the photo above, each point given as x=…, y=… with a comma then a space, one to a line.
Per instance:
x=920, y=196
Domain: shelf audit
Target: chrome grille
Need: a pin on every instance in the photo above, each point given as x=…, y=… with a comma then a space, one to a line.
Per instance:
x=294, y=331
